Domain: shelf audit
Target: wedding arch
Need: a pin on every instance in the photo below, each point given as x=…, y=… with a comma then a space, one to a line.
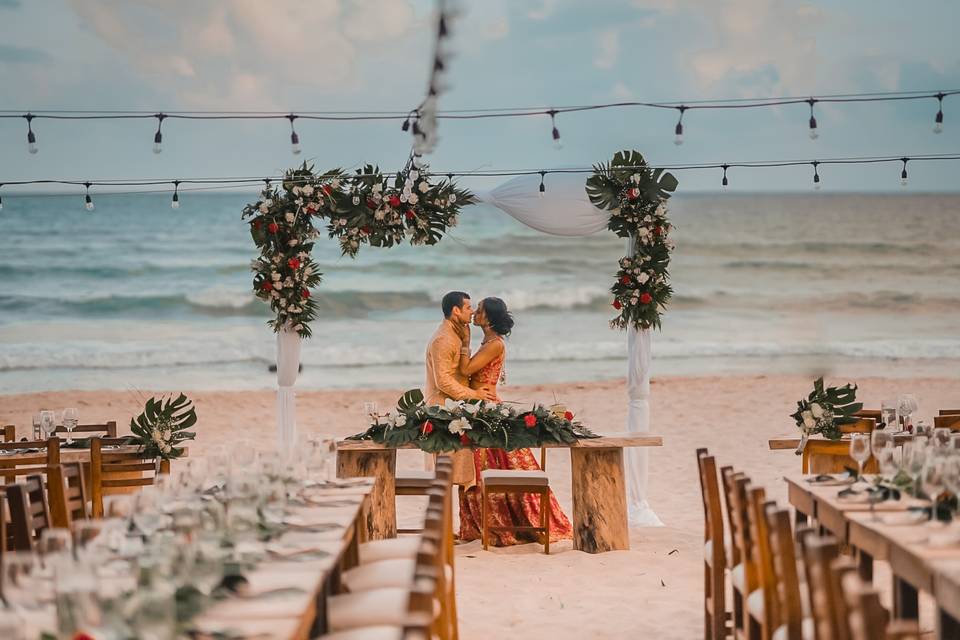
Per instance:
x=625, y=196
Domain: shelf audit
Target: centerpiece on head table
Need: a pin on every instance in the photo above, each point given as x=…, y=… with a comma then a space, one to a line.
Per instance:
x=825, y=410
x=462, y=424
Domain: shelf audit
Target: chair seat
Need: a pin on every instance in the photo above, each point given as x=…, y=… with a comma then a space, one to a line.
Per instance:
x=370, y=608
x=507, y=477
x=379, y=632
x=807, y=631
x=736, y=577
x=755, y=604
x=394, y=572
x=389, y=548
x=414, y=479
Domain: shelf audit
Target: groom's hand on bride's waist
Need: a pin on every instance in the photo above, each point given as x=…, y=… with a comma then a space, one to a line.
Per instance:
x=486, y=393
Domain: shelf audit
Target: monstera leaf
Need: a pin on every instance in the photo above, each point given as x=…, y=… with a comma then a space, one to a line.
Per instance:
x=409, y=400
x=604, y=187
x=657, y=184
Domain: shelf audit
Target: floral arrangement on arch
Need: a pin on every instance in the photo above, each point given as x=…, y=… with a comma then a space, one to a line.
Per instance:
x=464, y=424
x=635, y=194
x=360, y=208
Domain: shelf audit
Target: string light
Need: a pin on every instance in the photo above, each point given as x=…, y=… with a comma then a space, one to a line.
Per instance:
x=31, y=136
x=556, y=132
x=158, y=136
x=294, y=138
x=175, y=202
x=813, y=121
x=406, y=123
x=543, y=188
x=903, y=174
x=816, y=175
x=88, y=201
x=725, y=183
x=678, y=130
x=938, y=119
x=1, y=198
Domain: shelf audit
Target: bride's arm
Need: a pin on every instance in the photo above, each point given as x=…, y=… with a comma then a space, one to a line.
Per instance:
x=487, y=354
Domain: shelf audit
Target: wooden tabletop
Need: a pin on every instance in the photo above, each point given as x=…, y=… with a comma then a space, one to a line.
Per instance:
x=605, y=441
x=74, y=455
x=792, y=441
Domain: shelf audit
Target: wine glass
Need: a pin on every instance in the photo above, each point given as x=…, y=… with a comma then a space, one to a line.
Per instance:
x=207, y=571
x=932, y=481
x=941, y=437
x=907, y=405
x=48, y=423
x=880, y=439
x=882, y=445
x=888, y=415
x=886, y=460
x=860, y=450
x=370, y=409
x=955, y=441
x=71, y=418
x=915, y=455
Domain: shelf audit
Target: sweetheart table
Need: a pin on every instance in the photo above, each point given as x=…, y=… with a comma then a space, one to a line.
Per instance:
x=599, y=488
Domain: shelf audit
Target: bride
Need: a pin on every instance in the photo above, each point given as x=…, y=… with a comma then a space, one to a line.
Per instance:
x=485, y=369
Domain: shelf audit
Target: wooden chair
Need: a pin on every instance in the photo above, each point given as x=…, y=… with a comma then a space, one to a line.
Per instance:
x=948, y=421
x=735, y=560
x=66, y=494
x=111, y=472
x=833, y=456
x=29, y=512
x=867, y=617
x=789, y=601
x=949, y=412
x=9, y=433
x=413, y=482
x=47, y=454
x=744, y=576
x=819, y=555
x=508, y=481
x=762, y=614
x=714, y=550
x=103, y=430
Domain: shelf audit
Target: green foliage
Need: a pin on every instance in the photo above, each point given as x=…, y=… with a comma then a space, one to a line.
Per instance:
x=163, y=424
x=826, y=409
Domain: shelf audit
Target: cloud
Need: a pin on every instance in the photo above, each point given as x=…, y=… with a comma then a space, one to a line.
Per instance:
x=544, y=11
x=22, y=55
x=622, y=92
x=222, y=53
x=497, y=30
x=608, y=49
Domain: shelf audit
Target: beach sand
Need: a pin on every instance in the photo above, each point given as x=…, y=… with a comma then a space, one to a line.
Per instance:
x=655, y=590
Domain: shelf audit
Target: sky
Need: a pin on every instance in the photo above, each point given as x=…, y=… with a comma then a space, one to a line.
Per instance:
x=166, y=55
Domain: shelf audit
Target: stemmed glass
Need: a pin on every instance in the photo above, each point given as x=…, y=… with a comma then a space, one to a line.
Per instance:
x=888, y=415
x=907, y=405
x=915, y=456
x=932, y=480
x=48, y=423
x=860, y=450
x=941, y=437
x=71, y=418
x=882, y=445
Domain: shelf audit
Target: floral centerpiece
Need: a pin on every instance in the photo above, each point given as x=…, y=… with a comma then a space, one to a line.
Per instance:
x=464, y=424
x=825, y=410
x=635, y=194
x=163, y=425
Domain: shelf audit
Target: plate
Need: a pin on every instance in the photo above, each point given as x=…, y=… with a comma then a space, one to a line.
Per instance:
x=903, y=518
x=831, y=480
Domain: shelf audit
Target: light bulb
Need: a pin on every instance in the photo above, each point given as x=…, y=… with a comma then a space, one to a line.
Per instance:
x=938, y=123
x=813, y=129
x=295, y=143
x=557, y=144
x=903, y=181
x=678, y=140
x=158, y=142
x=89, y=204
x=725, y=185
x=32, y=142
x=175, y=203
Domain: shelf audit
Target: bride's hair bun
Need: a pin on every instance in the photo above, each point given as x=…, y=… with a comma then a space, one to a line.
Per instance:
x=498, y=316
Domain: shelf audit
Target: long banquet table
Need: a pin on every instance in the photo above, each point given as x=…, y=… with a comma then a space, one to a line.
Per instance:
x=599, y=489
x=916, y=566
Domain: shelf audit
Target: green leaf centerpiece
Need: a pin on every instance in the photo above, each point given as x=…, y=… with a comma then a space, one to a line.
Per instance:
x=163, y=425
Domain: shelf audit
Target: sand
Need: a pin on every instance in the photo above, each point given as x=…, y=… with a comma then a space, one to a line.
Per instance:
x=652, y=591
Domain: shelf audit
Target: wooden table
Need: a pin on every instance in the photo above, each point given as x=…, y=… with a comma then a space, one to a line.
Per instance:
x=821, y=455
x=599, y=488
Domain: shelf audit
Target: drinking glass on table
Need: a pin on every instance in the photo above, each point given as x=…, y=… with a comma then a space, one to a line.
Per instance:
x=915, y=456
x=941, y=437
x=907, y=405
x=888, y=416
x=860, y=450
x=71, y=418
x=932, y=480
x=55, y=542
x=882, y=445
x=370, y=410
x=48, y=423
x=955, y=441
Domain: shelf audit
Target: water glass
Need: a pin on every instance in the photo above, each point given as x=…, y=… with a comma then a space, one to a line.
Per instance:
x=923, y=429
x=941, y=437
x=37, y=431
x=71, y=418
x=955, y=441
x=932, y=477
x=880, y=439
x=888, y=415
x=370, y=410
x=860, y=450
x=907, y=405
x=886, y=459
x=48, y=423
x=78, y=607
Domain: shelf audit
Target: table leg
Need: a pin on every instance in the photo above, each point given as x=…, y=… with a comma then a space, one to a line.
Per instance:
x=865, y=565
x=905, y=602
x=381, y=518
x=599, y=500
x=947, y=626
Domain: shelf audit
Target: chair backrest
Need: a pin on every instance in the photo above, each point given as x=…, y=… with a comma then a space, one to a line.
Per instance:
x=9, y=432
x=66, y=493
x=727, y=474
x=115, y=472
x=819, y=553
x=712, y=508
x=744, y=538
x=862, y=425
x=875, y=414
x=29, y=512
x=949, y=412
x=783, y=553
x=36, y=462
x=839, y=569
x=105, y=429
x=436, y=562
x=762, y=557
x=948, y=421
x=868, y=618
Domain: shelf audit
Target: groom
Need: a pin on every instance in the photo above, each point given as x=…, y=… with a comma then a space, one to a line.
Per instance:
x=444, y=379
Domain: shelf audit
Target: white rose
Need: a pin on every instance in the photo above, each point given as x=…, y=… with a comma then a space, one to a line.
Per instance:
x=264, y=208
x=504, y=410
x=274, y=276
x=407, y=184
x=450, y=404
x=644, y=232
x=809, y=422
x=289, y=217
x=291, y=309
x=458, y=426
x=379, y=214
x=274, y=295
x=296, y=190
x=278, y=285
x=635, y=178
x=403, y=197
x=307, y=190
x=816, y=410
x=308, y=271
x=377, y=188
x=471, y=408
x=400, y=420
x=268, y=202
x=412, y=198
x=414, y=174
x=424, y=187
x=298, y=327
x=643, y=277
x=342, y=222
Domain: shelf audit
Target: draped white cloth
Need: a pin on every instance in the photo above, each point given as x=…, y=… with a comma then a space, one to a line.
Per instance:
x=565, y=210
x=288, y=366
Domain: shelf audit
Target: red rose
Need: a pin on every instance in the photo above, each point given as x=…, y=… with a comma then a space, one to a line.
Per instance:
x=568, y=415
x=427, y=427
x=80, y=635
x=616, y=305
x=625, y=280
x=646, y=298
x=273, y=227
x=530, y=420
x=633, y=193
x=293, y=263
x=311, y=206
x=327, y=189
x=394, y=201
x=657, y=230
x=464, y=440
x=371, y=203
x=410, y=215
x=305, y=293
x=266, y=286
x=365, y=230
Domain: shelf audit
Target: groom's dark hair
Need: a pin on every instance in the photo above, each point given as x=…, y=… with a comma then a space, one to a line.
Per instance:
x=453, y=300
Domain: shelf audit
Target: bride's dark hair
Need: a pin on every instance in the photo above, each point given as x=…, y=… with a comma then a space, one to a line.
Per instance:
x=498, y=316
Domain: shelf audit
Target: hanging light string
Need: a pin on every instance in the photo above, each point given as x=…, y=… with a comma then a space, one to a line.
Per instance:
x=418, y=119
x=204, y=184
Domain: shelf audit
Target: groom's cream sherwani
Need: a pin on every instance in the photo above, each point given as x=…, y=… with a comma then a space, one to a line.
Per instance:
x=444, y=380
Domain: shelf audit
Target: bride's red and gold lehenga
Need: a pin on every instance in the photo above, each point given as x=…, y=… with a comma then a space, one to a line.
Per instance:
x=510, y=510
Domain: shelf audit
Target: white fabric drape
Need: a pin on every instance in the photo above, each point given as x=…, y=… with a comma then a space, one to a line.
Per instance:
x=288, y=366
x=565, y=210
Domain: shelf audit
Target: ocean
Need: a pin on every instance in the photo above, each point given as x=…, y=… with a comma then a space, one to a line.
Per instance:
x=134, y=295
